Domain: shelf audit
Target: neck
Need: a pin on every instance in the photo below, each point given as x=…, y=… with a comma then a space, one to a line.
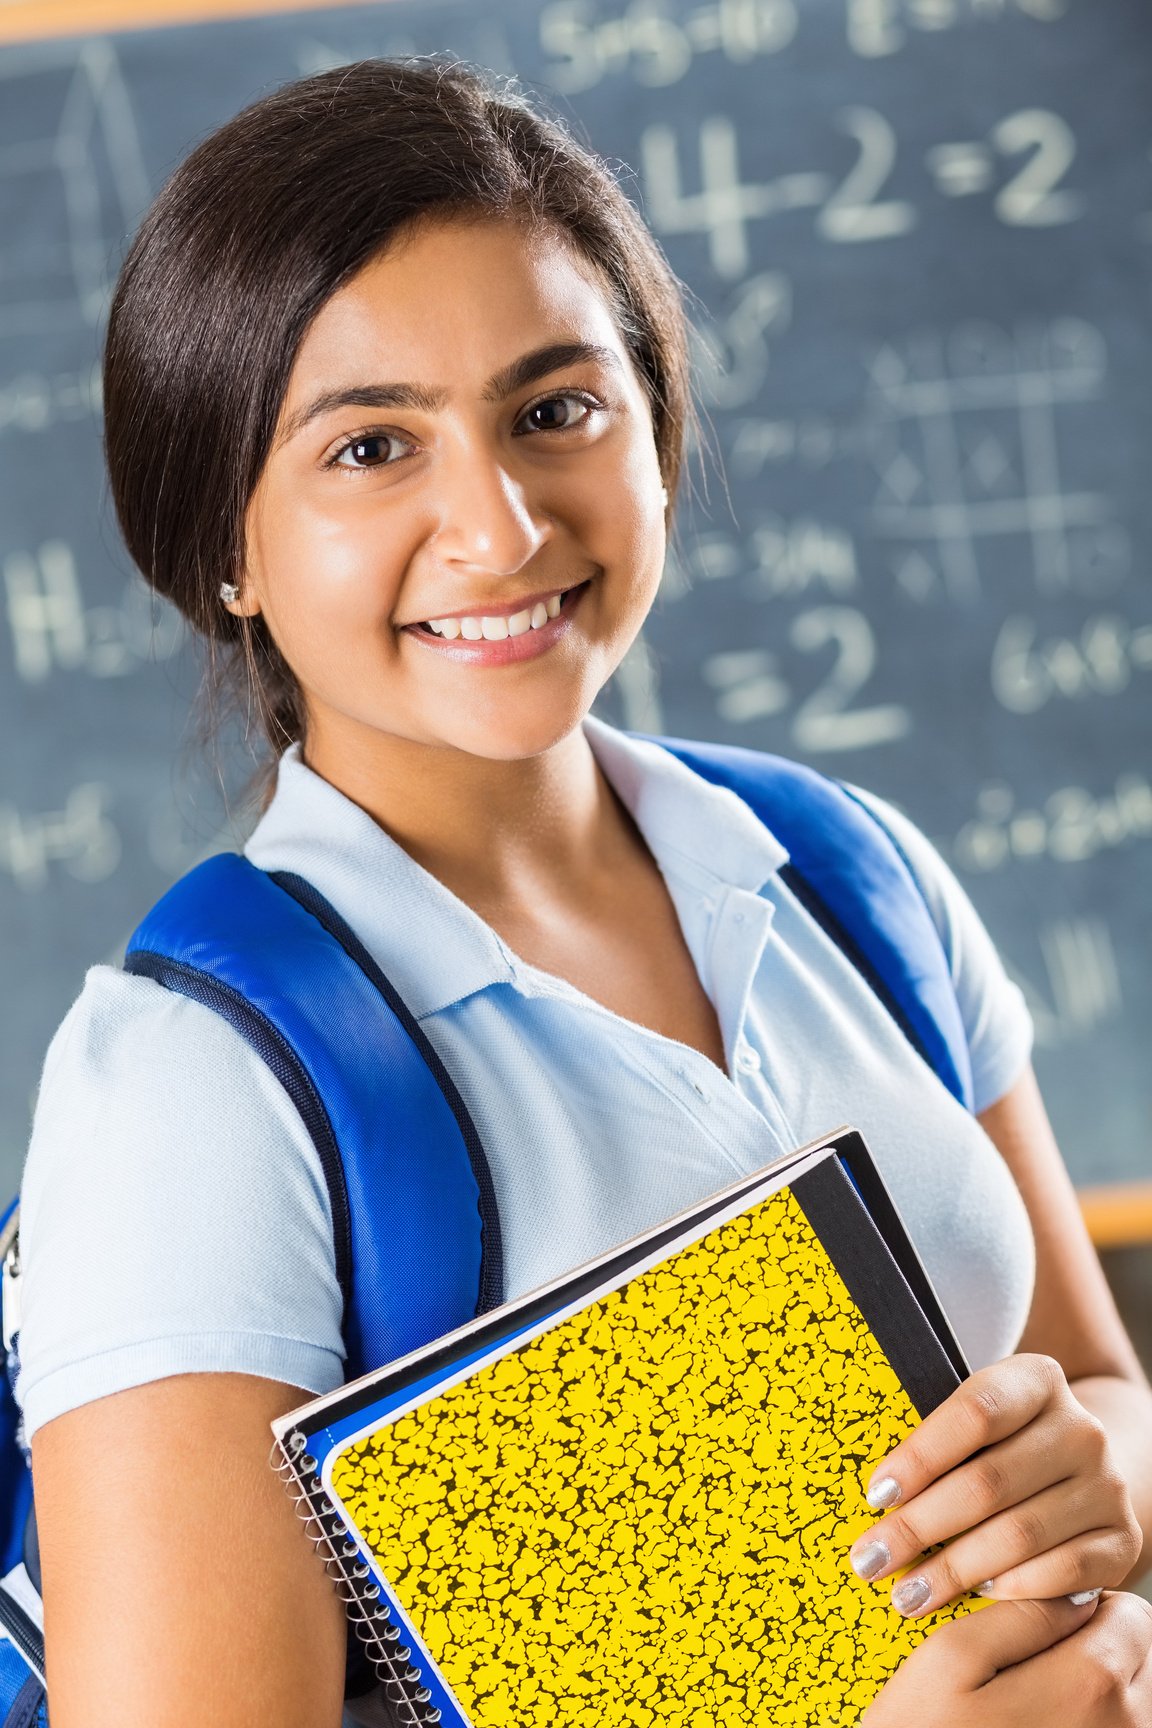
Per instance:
x=499, y=834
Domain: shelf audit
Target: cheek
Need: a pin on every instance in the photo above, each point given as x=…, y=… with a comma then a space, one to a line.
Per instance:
x=332, y=572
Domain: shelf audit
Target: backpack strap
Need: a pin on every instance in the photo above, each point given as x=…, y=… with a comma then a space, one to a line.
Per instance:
x=852, y=877
x=401, y=1157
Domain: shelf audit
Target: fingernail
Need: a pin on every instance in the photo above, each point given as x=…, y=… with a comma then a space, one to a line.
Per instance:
x=1083, y=1596
x=910, y=1595
x=882, y=1493
x=986, y=1588
x=871, y=1559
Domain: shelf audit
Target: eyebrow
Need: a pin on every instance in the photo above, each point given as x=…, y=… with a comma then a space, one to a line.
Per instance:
x=528, y=369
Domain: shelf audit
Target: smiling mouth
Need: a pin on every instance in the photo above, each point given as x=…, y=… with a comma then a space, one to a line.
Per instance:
x=479, y=627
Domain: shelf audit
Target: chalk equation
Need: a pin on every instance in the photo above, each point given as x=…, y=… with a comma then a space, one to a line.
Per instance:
x=52, y=628
x=81, y=837
x=1023, y=166
x=80, y=163
x=878, y=28
x=750, y=686
x=1070, y=826
x=656, y=43
x=1029, y=669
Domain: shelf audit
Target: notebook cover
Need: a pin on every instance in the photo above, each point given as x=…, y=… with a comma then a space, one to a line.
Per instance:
x=641, y=1514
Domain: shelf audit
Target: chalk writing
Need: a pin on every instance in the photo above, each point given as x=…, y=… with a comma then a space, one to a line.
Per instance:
x=656, y=43
x=856, y=207
x=1033, y=197
x=794, y=556
x=725, y=204
x=53, y=629
x=881, y=27
x=1082, y=989
x=81, y=836
x=732, y=353
x=749, y=685
x=1027, y=673
x=1070, y=826
x=87, y=165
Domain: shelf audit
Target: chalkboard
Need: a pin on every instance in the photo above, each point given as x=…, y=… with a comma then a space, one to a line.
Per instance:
x=919, y=238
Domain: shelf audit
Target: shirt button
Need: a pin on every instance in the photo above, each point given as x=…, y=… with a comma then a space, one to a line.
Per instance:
x=747, y=1060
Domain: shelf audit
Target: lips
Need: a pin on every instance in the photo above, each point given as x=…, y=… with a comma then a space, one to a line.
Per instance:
x=478, y=648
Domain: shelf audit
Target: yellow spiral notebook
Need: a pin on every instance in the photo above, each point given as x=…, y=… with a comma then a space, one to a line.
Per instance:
x=626, y=1499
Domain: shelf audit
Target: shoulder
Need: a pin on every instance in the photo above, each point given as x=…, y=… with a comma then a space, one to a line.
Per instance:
x=154, y=1058
x=169, y=1180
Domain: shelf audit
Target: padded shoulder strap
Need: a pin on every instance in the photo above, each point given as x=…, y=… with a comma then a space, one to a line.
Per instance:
x=416, y=1230
x=854, y=879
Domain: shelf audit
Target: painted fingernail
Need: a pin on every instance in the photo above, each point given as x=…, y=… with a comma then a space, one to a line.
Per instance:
x=1083, y=1596
x=871, y=1559
x=910, y=1595
x=986, y=1588
x=884, y=1492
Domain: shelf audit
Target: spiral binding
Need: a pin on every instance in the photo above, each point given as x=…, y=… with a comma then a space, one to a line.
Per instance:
x=370, y=1618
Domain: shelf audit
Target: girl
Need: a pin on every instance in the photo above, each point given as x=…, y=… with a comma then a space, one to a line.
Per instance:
x=396, y=393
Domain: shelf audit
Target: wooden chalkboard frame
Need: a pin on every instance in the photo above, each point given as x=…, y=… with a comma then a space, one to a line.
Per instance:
x=27, y=20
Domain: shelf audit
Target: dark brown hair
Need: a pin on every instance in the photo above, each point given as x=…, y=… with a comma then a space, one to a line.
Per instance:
x=254, y=232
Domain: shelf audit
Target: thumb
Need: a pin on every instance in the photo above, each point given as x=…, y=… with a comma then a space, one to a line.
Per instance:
x=983, y=1644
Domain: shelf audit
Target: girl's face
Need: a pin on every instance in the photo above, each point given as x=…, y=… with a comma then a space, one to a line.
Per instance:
x=464, y=442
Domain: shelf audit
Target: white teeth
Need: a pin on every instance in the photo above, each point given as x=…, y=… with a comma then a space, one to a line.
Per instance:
x=495, y=629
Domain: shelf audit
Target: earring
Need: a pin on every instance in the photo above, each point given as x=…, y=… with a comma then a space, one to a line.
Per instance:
x=664, y=495
x=229, y=592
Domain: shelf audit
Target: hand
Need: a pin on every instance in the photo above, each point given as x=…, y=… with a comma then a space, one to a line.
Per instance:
x=1017, y=1477
x=1023, y=1664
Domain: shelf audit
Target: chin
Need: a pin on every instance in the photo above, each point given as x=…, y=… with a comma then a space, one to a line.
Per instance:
x=514, y=737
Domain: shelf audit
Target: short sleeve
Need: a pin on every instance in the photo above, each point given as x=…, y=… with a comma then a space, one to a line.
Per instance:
x=996, y=1019
x=174, y=1215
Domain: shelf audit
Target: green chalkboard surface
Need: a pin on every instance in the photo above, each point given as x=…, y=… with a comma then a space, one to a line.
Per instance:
x=919, y=238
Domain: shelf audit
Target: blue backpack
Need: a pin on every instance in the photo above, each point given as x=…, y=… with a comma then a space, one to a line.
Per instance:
x=268, y=953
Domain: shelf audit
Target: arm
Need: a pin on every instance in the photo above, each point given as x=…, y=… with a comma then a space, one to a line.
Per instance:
x=1073, y=1316
x=179, y=1586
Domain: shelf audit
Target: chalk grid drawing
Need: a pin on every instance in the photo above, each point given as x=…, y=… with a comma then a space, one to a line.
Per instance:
x=78, y=167
x=964, y=434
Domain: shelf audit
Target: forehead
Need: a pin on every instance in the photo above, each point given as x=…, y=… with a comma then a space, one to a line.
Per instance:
x=449, y=302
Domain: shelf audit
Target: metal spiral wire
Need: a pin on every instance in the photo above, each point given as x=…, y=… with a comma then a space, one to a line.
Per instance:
x=373, y=1624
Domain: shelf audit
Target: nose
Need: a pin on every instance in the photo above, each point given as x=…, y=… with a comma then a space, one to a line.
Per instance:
x=486, y=521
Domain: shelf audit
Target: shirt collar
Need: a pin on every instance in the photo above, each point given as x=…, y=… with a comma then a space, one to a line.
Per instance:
x=696, y=830
x=435, y=949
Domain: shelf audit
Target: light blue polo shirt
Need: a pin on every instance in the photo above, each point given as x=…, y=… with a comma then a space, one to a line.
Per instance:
x=175, y=1217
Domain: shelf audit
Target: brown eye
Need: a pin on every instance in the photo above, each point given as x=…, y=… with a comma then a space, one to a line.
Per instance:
x=374, y=450
x=556, y=413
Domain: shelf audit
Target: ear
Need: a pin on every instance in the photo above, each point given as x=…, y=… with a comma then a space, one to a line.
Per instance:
x=240, y=600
